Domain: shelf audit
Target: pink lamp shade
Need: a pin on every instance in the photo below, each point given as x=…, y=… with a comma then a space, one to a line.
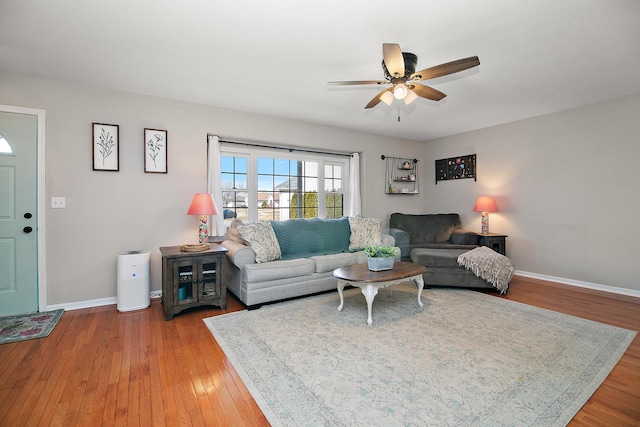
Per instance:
x=203, y=205
x=485, y=204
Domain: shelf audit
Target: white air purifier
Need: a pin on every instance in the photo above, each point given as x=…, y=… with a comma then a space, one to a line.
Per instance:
x=133, y=280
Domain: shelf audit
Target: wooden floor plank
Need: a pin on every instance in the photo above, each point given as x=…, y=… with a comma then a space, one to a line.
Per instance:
x=101, y=366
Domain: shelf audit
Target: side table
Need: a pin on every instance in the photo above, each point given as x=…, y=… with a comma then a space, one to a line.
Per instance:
x=192, y=279
x=497, y=242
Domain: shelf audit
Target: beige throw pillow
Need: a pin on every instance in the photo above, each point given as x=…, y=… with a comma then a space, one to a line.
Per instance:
x=364, y=232
x=262, y=239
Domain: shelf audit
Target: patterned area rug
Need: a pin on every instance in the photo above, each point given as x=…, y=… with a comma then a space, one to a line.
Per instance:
x=465, y=359
x=22, y=327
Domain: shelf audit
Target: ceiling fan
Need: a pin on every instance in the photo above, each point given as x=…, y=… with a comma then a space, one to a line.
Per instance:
x=400, y=72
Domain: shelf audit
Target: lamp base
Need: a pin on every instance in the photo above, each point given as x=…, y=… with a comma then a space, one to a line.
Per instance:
x=203, y=230
x=485, y=222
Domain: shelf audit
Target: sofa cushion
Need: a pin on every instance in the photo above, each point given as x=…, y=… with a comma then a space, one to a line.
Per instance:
x=300, y=237
x=426, y=228
x=437, y=258
x=326, y=263
x=275, y=270
x=364, y=232
x=262, y=239
x=464, y=237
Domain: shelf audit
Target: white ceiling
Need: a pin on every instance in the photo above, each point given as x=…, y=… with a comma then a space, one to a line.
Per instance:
x=275, y=57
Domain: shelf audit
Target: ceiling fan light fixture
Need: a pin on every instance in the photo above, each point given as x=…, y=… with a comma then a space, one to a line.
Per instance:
x=400, y=91
x=411, y=96
x=400, y=74
x=387, y=97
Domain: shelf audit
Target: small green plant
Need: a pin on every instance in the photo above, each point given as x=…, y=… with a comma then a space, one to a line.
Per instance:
x=380, y=251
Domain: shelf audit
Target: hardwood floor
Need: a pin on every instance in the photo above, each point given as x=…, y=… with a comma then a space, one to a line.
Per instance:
x=102, y=367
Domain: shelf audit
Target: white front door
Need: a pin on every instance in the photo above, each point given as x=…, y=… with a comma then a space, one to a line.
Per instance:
x=18, y=213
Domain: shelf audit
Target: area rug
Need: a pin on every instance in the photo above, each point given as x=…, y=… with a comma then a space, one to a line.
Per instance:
x=465, y=359
x=28, y=326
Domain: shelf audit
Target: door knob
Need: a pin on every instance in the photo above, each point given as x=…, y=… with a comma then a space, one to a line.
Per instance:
x=27, y=229
x=28, y=215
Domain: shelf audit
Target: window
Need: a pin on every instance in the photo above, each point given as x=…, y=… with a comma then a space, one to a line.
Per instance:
x=234, y=187
x=262, y=185
x=333, y=190
x=5, y=147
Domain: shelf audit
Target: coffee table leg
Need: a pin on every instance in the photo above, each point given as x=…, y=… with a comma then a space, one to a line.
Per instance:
x=420, y=282
x=341, y=285
x=369, y=292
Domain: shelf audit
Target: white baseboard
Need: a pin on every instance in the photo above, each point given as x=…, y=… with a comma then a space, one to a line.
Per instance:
x=588, y=285
x=580, y=284
x=77, y=305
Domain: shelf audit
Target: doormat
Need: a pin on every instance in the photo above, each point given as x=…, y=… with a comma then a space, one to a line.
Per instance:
x=20, y=327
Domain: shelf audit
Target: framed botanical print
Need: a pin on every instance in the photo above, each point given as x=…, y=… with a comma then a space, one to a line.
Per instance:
x=155, y=151
x=106, y=147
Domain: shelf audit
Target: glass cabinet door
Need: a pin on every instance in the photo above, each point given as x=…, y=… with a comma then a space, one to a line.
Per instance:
x=185, y=277
x=210, y=288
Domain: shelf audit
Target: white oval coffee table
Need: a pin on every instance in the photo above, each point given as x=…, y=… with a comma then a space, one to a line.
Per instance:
x=370, y=281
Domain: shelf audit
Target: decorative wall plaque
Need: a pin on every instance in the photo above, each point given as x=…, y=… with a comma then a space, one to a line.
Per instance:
x=456, y=168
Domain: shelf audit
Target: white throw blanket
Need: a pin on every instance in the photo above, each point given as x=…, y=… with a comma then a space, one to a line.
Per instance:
x=489, y=265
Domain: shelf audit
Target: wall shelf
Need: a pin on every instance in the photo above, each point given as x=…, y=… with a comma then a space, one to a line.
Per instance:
x=401, y=175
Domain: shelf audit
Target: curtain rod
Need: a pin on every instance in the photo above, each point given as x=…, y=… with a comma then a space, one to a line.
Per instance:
x=289, y=149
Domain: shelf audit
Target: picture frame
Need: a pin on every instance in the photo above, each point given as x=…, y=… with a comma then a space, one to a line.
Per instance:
x=459, y=167
x=105, y=147
x=155, y=150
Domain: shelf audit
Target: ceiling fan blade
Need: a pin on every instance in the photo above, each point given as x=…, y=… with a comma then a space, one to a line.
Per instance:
x=427, y=92
x=376, y=99
x=446, y=68
x=358, y=82
x=393, y=59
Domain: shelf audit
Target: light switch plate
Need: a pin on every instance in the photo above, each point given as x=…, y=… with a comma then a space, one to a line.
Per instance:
x=58, y=202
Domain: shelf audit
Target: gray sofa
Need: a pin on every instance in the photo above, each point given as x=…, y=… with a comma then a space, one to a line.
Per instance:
x=436, y=241
x=310, y=250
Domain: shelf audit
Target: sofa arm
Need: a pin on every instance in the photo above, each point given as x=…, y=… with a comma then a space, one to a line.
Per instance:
x=460, y=236
x=388, y=240
x=239, y=254
x=401, y=237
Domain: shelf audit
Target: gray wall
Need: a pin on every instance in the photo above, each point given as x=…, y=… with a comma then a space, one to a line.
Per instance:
x=564, y=183
x=109, y=212
x=566, y=186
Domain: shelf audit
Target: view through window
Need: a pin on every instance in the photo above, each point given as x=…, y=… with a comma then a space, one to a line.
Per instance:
x=257, y=186
x=5, y=148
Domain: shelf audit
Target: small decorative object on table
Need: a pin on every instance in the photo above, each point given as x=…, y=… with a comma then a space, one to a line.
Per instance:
x=195, y=248
x=380, y=257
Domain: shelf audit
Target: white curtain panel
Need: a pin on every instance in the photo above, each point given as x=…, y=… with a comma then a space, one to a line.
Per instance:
x=353, y=209
x=216, y=227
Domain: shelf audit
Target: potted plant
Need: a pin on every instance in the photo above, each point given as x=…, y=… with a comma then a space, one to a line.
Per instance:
x=380, y=257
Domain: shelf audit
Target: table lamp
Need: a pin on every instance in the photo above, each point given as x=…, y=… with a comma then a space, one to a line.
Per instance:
x=203, y=205
x=485, y=204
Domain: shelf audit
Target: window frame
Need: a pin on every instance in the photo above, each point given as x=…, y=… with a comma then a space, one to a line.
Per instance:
x=253, y=153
